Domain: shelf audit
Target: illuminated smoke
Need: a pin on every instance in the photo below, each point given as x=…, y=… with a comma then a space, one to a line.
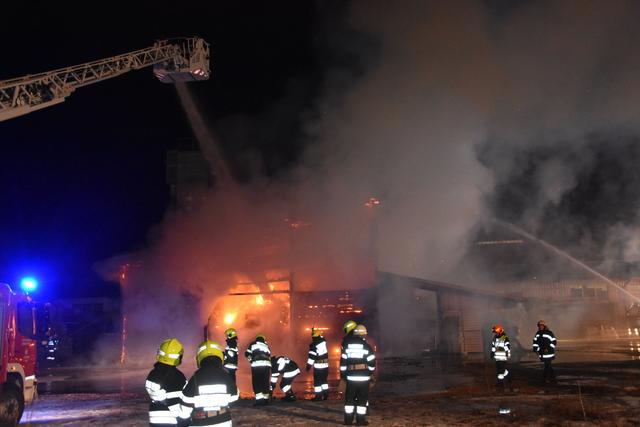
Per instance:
x=449, y=113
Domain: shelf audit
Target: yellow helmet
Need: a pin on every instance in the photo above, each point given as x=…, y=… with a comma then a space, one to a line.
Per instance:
x=315, y=332
x=349, y=326
x=231, y=333
x=170, y=352
x=360, y=330
x=209, y=348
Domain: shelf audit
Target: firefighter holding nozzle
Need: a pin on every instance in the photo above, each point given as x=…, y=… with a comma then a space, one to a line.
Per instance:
x=544, y=344
x=282, y=365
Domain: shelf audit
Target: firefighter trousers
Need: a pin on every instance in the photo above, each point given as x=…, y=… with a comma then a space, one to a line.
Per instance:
x=320, y=383
x=355, y=400
x=285, y=384
x=232, y=374
x=548, y=374
x=502, y=374
x=260, y=379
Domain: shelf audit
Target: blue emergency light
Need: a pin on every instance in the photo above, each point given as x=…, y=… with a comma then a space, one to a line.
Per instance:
x=28, y=284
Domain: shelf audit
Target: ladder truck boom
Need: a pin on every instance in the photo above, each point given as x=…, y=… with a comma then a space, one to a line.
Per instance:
x=173, y=60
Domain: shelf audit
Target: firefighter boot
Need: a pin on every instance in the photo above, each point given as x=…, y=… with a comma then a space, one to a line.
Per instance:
x=325, y=394
x=289, y=397
x=317, y=397
x=361, y=420
x=348, y=419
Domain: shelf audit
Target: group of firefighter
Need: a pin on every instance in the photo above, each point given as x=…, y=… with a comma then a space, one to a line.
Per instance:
x=544, y=345
x=204, y=399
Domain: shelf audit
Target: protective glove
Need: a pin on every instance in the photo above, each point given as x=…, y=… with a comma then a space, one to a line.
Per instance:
x=308, y=368
x=492, y=356
x=372, y=382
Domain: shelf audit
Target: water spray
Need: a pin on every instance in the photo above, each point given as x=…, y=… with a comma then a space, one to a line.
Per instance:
x=210, y=147
x=565, y=255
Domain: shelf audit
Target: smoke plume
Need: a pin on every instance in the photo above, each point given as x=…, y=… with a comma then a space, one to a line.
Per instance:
x=451, y=114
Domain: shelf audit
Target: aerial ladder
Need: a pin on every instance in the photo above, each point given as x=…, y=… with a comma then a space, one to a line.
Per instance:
x=173, y=60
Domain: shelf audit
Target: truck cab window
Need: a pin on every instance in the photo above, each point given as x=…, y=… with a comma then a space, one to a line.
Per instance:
x=26, y=320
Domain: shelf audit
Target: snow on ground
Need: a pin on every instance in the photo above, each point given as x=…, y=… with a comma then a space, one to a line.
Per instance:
x=82, y=409
x=409, y=392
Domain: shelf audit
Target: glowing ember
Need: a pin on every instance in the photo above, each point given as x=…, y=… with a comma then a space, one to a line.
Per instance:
x=372, y=202
x=259, y=300
x=229, y=318
x=318, y=328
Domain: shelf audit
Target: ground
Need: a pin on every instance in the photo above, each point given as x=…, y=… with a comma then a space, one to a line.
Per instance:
x=419, y=391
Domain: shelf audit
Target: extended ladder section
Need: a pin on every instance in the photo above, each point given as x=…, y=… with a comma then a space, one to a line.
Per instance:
x=174, y=60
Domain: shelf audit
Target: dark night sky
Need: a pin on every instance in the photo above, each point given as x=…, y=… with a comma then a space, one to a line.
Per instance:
x=85, y=180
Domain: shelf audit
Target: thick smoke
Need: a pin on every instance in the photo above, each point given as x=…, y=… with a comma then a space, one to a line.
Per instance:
x=468, y=111
x=451, y=113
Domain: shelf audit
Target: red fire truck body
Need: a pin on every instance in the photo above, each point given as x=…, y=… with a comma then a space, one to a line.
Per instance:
x=18, y=358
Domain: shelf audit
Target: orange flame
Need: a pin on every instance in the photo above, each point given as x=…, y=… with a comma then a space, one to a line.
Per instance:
x=229, y=318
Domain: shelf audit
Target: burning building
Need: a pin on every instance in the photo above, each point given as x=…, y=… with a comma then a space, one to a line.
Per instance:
x=286, y=316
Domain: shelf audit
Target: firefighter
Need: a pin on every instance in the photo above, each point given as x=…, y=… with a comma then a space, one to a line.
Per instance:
x=544, y=344
x=164, y=385
x=231, y=353
x=319, y=361
x=258, y=354
x=357, y=363
x=51, y=345
x=348, y=328
x=500, y=353
x=207, y=395
x=282, y=365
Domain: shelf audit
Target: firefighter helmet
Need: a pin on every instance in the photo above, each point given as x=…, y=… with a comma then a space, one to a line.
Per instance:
x=170, y=352
x=497, y=329
x=261, y=337
x=315, y=332
x=349, y=326
x=360, y=330
x=231, y=333
x=209, y=348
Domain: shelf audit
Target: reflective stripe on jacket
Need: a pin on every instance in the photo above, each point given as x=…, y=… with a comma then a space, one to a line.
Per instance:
x=500, y=347
x=544, y=343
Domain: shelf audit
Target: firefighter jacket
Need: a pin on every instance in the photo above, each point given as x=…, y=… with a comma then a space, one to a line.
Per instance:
x=206, y=397
x=164, y=385
x=544, y=343
x=284, y=366
x=231, y=354
x=318, y=353
x=258, y=354
x=357, y=361
x=500, y=348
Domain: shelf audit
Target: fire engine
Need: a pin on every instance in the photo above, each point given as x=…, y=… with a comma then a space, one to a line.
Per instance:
x=18, y=358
